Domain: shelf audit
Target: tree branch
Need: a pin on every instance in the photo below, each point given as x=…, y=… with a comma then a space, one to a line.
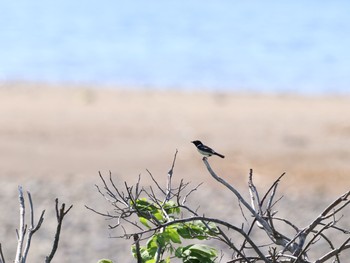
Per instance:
x=137, y=247
x=276, y=237
x=151, y=214
x=22, y=228
x=2, y=259
x=334, y=252
x=60, y=213
x=32, y=229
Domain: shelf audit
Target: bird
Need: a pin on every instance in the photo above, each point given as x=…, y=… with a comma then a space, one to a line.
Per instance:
x=205, y=150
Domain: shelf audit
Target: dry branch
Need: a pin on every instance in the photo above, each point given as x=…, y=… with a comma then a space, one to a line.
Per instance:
x=25, y=233
x=2, y=259
x=22, y=228
x=33, y=228
x=283, y=249
x=60, y=214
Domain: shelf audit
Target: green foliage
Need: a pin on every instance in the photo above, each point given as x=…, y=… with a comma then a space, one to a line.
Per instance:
x=146, y=210
x=166, y=241
x=196, y=253
x=105, y=261
x=197, y=229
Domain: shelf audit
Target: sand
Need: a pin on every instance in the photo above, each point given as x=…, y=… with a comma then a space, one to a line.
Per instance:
x=54, y=139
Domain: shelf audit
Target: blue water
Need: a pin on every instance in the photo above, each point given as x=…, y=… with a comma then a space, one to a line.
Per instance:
x=268, y=46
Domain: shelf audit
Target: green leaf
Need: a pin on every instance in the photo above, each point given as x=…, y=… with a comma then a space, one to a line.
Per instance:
x=171, y=207
x=179, y=252
x=204, y=250
x=173, y=235
x=197, y=229
x=144, y=206
x=213, y=229
x=162, y=239
x=105, y=261
x=184, y=232
x=144, y=221
x=148, y=210
x=152, y=246
x=159, y=215
x=144, y=252
x=196, y=253
x=191, y=231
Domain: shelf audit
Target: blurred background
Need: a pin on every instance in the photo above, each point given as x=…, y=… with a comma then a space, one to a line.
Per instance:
x=119, y=86
x=224, y=45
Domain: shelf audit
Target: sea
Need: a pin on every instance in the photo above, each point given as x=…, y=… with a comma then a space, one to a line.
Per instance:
x=299, y=46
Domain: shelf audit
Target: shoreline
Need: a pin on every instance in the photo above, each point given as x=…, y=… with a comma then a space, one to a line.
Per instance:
x=22, y=84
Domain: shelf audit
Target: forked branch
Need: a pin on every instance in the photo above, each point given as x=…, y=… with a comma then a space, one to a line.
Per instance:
x=60, y=214
x=25, y=233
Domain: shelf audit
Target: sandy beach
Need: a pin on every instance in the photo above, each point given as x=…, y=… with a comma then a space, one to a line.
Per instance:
x=55, y=139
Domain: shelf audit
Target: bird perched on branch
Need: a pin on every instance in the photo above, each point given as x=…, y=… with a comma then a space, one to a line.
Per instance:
x=205, y=150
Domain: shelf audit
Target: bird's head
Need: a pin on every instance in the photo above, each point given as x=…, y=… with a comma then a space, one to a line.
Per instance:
x=196, y=142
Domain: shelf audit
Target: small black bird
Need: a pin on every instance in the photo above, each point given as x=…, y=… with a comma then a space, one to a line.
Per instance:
x=205, y=150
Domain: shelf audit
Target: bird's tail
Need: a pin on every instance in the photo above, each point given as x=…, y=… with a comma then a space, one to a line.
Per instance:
x=220, y=155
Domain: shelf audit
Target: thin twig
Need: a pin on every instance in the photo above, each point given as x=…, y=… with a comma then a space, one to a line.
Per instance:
x=189, y=193
x=2, y=258
x=330, y=245
x=254, y=195
x=120, y=194
x=276, y=237
x=32, y=229
x=170, y=175
x=312, y=240
x=274, y=185
x=334, y=252
x=60, y=213
x=272, y=188
x=324, y=215
x=231, y=245
x=155, y=182
x=22, y=227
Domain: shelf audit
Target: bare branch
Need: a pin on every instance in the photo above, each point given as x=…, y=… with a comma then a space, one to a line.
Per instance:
x=239, y=196
x=121, y=195
x=22, y=227
x=137, y=247
x=342, y=201
x=155, y=182
x=312, y=240
x=343, y=198
x=2, y=259
x=334, y=252
x=254, y=195
x=32, y=229
x=60, y=213
x=189, y=193
x=272, y=188
x=276, y=237
x=170, y=175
